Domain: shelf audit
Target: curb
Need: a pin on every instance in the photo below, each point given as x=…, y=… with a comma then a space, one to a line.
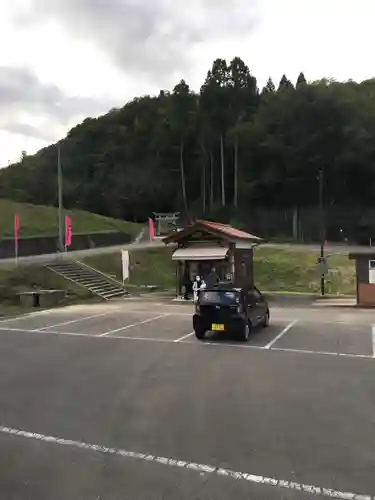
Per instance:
x=345, y=306
x=313, y=296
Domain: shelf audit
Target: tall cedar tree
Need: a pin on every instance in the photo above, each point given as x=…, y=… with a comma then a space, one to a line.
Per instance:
x=285, y=84
x=301, y=80
x=147, y=155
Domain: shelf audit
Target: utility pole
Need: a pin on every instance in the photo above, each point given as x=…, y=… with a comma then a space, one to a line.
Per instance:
x=60, y=199
x=322, y=228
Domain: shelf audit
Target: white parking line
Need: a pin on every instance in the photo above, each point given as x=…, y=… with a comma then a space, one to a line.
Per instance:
x=149, y=320
x=189, y=342
x=373, y=341
x=324, y=353
x=227, y=344
x=26, y=315
x=77, y=320
x=189, y=465
x=283, y=332
x=184, y=337
x=88, y=335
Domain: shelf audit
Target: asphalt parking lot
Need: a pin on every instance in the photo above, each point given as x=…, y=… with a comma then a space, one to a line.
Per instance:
x=120, y=401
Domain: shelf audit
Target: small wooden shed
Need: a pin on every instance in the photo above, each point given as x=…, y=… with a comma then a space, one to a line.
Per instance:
x=365, y=277
x=207, y=247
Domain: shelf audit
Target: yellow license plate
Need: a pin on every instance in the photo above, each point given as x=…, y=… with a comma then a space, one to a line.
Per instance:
x=217, y=327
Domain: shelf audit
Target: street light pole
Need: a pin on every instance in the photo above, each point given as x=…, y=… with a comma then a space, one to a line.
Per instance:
x=60, y=198
x=322, y=228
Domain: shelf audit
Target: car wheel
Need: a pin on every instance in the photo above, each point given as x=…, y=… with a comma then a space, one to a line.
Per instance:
x=246, y=332
x=199, y=333
x=266, y=320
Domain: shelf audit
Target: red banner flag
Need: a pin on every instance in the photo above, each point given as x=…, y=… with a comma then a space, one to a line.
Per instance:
x=151, y=229
x=16, y=225
x=16, y=233
x=68, y=231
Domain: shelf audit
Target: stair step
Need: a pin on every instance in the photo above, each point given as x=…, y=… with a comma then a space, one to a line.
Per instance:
x=105, y=287
x=95, y=282
x=98, y=284
x=76, y=271
x=88, y=278
x=74, y=274
x=70, y=272
x=80, y=273
x=65, y=265
x=102, y=289
x=106, y=283
x=114, y=295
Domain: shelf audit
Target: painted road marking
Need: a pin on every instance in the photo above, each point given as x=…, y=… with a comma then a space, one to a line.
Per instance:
x=77, y=320
x=149, y=320
x=185, y=464
x=145, y=339
x=325, y=353
x=373, y=341
x=189, y=342
x=283, y=332
x=225, y=344
x=26, y=315
x=173, y=312
x=184, y=337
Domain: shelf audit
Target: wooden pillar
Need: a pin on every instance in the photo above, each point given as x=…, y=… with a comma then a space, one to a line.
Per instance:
x=251, y=268
x=178, y=279
x=232, y=262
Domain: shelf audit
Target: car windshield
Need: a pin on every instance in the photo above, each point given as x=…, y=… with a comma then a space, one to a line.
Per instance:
x=220, y=297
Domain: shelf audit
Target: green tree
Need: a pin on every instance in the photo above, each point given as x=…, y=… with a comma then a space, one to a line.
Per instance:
x=285, y=84
x=183, y=119
x=269, y=87
x=243, y=102
x=214, y=98
x=301, y=80
x=265, y=151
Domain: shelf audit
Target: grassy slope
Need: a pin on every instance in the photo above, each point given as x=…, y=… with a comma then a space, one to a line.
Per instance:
x=38, y=220
x=15, y=280
x=296, y=271
x=147, y=267
x=275, y=270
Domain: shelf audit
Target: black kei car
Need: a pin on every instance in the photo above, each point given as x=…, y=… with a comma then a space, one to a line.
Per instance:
x=224, y=308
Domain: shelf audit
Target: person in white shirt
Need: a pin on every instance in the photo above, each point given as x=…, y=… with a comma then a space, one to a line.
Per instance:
x=198, y=285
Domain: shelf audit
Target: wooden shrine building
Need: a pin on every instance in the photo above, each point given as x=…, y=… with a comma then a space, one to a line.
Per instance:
x=208, y=248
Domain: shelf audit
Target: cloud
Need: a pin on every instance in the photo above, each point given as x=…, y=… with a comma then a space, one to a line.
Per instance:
x=35, y=109
x=151, y=38
x=26, y=130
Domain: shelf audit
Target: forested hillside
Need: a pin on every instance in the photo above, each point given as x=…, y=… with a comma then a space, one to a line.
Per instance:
x=230, y=151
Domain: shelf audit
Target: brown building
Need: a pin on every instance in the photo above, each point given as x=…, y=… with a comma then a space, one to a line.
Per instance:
x=207, y=249
x=365, y=275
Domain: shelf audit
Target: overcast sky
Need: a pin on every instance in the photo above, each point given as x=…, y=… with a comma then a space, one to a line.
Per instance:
x=64, y=60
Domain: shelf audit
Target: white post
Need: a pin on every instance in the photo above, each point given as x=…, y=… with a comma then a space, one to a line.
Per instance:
x=125, y=265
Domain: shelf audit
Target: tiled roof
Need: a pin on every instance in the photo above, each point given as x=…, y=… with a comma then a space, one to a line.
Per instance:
x=228, y=230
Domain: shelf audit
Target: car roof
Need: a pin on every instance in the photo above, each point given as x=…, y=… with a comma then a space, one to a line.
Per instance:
x=221, y=288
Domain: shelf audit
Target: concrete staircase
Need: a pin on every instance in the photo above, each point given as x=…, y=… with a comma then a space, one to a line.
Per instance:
x=85, y=276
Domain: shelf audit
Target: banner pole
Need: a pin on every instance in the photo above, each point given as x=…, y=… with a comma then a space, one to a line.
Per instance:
x=16, y=231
